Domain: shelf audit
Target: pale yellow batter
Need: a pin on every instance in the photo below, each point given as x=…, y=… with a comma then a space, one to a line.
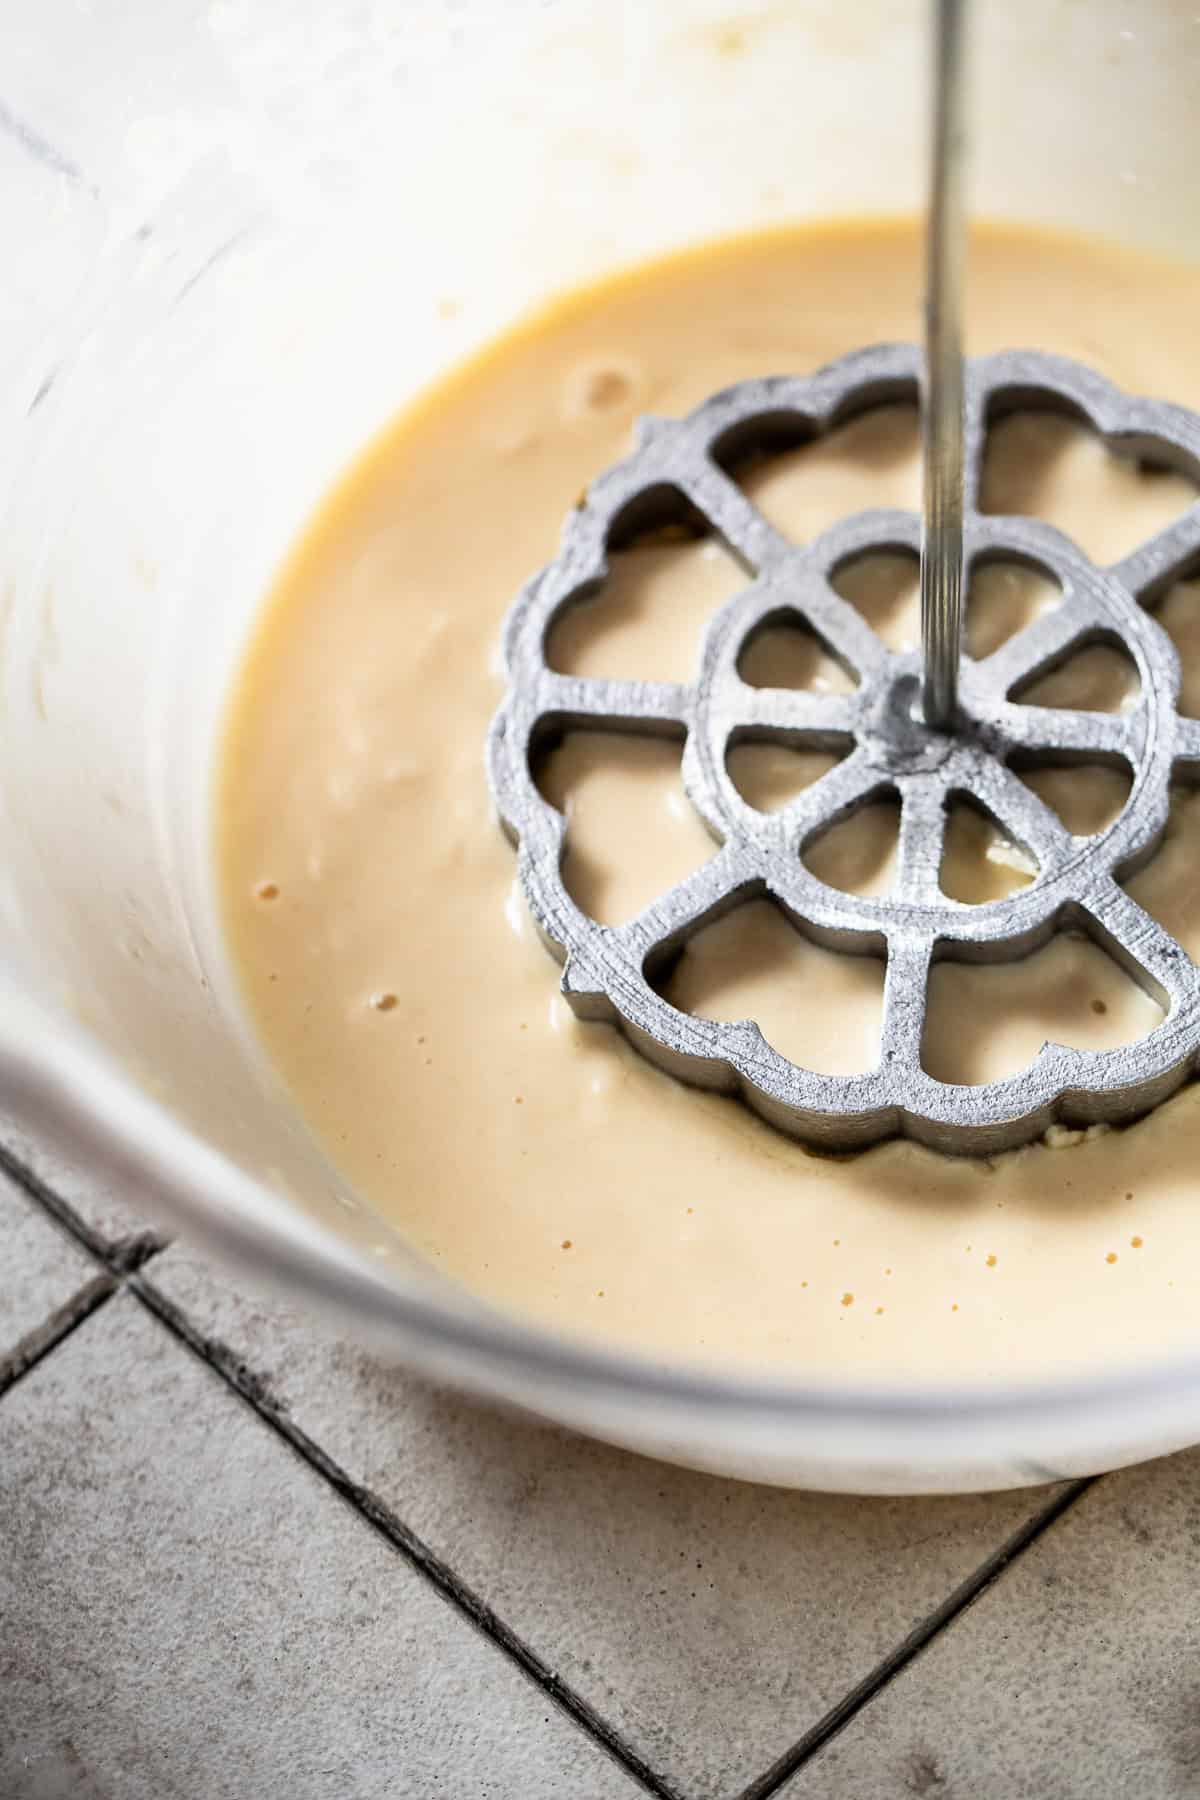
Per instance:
x=386, y=954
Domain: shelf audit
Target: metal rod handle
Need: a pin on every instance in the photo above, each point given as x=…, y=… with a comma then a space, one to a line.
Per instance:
x=942, y=409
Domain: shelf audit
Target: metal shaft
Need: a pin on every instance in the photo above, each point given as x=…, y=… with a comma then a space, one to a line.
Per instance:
x=942, y=411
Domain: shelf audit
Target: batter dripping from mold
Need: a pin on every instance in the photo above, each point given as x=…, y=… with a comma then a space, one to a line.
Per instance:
x=391, y=968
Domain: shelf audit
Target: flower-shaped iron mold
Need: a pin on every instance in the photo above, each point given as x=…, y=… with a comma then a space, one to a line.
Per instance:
x=608, y=969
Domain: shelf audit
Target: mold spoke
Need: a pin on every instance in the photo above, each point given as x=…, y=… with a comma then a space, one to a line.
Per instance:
x=1026, y=819
x=736, y=519
x=905, y=987
x=1044, y=642
x=1089, y=736
x=652, y=706
x=832, y=798
x=1150, y=569
x=1145, y=948
x=841, y=625
x=710, y=890
x=922, y=833
x=803, y=720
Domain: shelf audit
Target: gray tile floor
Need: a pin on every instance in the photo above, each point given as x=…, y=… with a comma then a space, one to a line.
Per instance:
x=241, y=1557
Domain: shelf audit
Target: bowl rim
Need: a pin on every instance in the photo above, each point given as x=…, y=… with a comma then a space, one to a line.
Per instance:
x=64, y=1086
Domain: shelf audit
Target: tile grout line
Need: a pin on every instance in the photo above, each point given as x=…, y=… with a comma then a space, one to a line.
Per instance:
x=54, y=1330
x=120, y=1258
x=250, y=1388
x=116, y=1261
x=911, y=1647
x=121, y=1265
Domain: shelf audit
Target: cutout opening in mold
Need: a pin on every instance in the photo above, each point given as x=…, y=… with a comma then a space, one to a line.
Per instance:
x=858, y=854
x=1004, y=594
x=803, y=480
x=981, y=861
x=769, y=774
x=884, y=586
x=1087, y=796
x=643, y=619
x=1095, y=674
x=631, y=831
x=784, y=651
x=987, y=1021
x=1043, y=458
x=753, y=963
